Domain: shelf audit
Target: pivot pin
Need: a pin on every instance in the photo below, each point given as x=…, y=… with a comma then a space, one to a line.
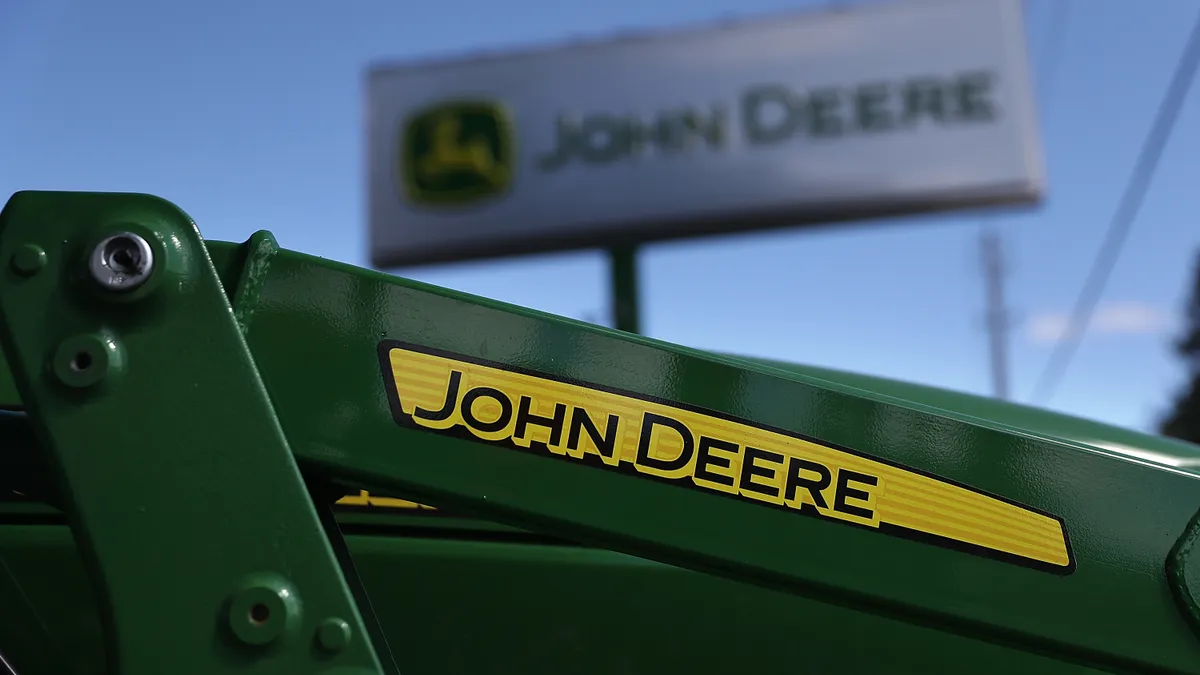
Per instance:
x=122, y=262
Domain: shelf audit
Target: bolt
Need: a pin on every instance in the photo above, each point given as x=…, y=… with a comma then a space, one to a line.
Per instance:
x=263, y=609
x=84, y=360
x=28, y=260
x=122, y=262
x=333, y=634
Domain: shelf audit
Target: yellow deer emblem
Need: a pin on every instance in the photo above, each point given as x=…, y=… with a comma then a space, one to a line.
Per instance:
x=450, y=153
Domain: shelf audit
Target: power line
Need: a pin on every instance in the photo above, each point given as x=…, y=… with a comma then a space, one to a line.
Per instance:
x=997, y=314
x=998, y=319
x=1123, y=218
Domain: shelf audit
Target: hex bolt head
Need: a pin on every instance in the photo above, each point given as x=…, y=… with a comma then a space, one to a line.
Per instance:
x=122, y=262
x=28, y=260
x=333, y=635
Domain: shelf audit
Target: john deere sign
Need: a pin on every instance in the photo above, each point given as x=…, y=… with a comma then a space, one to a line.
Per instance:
x=896, y=108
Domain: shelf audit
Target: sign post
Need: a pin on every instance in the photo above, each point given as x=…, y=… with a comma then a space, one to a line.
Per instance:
x=626, y=294
x=803, y=119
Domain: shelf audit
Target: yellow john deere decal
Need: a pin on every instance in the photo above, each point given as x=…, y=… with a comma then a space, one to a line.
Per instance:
x=713, y=452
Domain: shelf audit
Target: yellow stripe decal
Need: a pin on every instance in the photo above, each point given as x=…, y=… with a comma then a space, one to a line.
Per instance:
x=366, y=499
x=714, y=452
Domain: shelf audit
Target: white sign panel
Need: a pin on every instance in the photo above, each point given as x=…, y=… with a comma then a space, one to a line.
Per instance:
x=887, y=109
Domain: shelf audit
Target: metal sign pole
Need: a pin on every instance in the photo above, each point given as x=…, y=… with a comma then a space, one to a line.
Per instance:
x=624, y=278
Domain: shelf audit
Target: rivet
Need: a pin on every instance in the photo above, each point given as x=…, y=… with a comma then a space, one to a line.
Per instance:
x=28, y=260
x=333, y=635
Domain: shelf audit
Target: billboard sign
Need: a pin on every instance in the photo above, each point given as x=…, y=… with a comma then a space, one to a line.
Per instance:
x=888, y=109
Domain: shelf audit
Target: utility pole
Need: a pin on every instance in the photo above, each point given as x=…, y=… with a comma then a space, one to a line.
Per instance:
x=990, y=247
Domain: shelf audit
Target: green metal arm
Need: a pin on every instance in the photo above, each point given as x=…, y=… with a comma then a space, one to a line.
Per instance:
x=173, y=385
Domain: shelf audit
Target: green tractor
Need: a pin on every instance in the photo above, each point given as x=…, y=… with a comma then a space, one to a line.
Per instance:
x=234, y=458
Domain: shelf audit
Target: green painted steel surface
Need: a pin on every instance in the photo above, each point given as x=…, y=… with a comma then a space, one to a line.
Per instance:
x=475, y=607
x=1096, y=436
x=8, y=389
x=317, y=326
x=153, y=484
x=778, y=588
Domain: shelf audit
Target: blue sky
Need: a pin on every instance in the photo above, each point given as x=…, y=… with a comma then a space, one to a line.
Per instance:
x=248, y=115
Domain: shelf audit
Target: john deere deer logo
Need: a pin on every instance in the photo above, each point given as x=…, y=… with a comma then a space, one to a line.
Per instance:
x=457, y=154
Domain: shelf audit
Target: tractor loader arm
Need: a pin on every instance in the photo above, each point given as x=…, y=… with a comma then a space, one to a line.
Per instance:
x=196, y=405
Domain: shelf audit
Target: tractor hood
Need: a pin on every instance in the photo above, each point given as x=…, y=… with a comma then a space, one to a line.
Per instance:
x=1096, y=436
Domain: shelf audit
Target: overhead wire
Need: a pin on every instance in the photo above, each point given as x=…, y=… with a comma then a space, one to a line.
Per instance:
x=999, y=318
x=1122, y=220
